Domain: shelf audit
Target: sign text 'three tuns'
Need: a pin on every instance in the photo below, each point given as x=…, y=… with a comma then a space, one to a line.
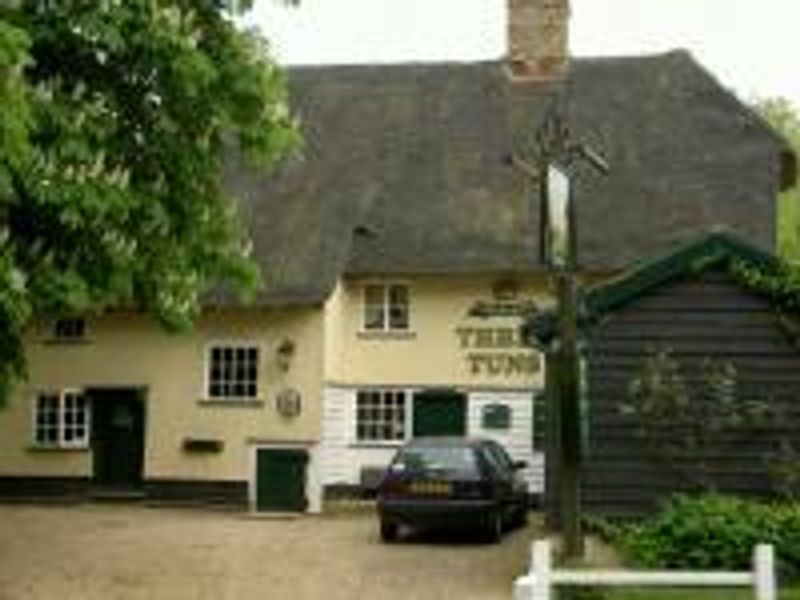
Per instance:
x=497, y=351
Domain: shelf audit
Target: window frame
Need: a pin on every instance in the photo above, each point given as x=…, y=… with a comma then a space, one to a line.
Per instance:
x=407, y=422
x=61, y=443
x=245, y=344
x=65, y=331
x=386, y=326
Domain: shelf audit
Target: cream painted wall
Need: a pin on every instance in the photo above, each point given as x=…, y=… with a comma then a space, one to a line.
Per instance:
x=432, y=352
x=131, y=350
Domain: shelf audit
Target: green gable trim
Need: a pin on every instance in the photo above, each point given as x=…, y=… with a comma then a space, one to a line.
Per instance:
x=746, y=264
x=710, y=250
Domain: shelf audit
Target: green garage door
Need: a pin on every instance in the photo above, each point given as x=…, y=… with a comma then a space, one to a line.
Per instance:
x=440, y=413
x=281, y=479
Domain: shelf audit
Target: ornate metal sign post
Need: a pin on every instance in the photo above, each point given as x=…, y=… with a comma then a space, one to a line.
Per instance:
x=555, y=157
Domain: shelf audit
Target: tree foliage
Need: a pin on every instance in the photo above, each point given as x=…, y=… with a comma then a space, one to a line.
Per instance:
x=783, y=116
x=116, y=115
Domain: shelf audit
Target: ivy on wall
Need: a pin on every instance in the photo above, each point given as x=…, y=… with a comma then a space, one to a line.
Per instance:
x=685, y=415
x=779, y=285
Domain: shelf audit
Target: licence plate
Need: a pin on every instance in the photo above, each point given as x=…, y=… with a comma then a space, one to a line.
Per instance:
x=431, y=488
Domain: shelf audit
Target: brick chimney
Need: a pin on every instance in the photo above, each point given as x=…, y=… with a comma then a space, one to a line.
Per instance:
x=538, y=38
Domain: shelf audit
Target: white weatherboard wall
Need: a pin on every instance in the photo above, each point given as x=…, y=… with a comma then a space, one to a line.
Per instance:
x=518, y=439
x=343, y=458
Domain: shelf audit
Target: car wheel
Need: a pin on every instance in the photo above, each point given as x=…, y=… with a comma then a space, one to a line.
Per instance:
x=388, y=531
x=494, y=527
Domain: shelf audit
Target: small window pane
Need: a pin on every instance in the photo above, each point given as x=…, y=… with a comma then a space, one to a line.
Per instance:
x=398, y=317
x=373, y=318
x=398, y=295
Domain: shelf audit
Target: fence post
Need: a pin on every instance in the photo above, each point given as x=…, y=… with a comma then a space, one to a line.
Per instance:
x=764, y=572
x=540, y=568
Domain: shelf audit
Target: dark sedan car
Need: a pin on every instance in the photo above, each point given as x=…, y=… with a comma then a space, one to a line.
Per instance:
x=452, y=483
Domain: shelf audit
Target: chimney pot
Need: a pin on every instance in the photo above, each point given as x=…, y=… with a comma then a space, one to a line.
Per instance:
x=538, y=38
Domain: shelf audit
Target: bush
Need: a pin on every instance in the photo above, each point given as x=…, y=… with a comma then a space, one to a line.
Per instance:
x=787, y=524
x=712, y=532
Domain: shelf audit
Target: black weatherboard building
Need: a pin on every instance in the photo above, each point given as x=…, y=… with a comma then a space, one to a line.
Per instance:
x=694, y=313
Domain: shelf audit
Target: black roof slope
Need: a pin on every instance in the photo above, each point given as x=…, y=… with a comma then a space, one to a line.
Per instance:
x=404, y=170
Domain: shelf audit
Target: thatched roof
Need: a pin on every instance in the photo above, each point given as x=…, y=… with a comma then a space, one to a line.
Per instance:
x=404, y=170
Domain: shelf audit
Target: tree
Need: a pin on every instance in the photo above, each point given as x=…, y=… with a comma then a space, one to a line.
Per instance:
x=783, y=116
x=116, y=117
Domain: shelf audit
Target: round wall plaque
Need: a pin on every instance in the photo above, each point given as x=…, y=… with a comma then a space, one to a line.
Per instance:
x=288, y=403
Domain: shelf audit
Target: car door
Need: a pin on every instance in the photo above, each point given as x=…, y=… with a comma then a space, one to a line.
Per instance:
x=501, y=473
x=511, y=486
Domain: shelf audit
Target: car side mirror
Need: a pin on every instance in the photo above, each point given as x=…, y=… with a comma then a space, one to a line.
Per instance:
x=518, y=465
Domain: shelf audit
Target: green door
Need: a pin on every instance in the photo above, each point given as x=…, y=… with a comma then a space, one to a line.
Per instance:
x=117, y=437
x=440, y=413
x=281, y=479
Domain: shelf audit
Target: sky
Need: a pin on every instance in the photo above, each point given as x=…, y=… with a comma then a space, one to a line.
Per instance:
x=747, y=44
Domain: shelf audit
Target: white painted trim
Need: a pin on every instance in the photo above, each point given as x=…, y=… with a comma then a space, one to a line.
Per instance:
x=541, y=580
x=313, y=471
x=234, y=343
x=458, y=387
x=61, y=394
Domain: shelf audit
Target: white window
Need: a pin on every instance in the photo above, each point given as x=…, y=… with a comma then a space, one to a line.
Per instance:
x=380, y=415
x=61, y=419
x=386, y=307
x=232, y=371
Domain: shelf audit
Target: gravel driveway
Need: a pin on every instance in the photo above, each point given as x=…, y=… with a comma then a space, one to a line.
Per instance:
x=122, y=552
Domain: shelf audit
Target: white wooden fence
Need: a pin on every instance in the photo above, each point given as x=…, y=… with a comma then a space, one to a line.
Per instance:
x=541, y=581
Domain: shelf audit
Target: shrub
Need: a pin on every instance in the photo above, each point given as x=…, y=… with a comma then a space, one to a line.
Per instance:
x=709, y=532
x=787, y=524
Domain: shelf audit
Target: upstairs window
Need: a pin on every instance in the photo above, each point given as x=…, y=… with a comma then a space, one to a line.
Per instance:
x=386, y=307
x=232, y=372
x=61, y=420
x=69, y=330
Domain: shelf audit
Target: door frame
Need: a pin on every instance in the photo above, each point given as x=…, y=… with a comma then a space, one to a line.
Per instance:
x=141, y=393
x=313, y=476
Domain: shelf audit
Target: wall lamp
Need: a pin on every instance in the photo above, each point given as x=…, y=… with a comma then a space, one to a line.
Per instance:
x=285, y=353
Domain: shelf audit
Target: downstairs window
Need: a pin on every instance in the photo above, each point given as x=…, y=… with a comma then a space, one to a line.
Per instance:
x=61, y=419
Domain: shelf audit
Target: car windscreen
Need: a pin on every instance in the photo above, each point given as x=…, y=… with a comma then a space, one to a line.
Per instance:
x=436, y=460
